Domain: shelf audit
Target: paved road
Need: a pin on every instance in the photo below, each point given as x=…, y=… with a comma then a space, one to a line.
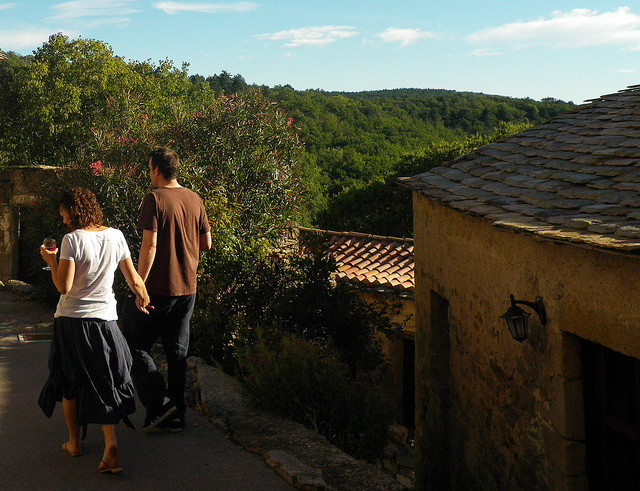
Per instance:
x=31, y=458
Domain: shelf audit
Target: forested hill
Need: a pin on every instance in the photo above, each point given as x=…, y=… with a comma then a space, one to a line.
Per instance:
x=359, y=140
x=354, y=139
x=468, y=110
x=410, y=117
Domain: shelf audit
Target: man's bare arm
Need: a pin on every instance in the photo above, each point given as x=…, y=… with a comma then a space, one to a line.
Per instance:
x=147, y=253
x=205, y=241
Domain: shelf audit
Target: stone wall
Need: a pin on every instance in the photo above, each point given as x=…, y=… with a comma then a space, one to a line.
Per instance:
x=19, y=187
x=493, y=413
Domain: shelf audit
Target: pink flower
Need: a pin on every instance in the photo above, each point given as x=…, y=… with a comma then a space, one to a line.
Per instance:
x=122, y=140
x=289, y=121
x=96, y=167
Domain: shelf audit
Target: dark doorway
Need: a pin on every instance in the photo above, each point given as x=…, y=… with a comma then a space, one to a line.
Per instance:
x=29, y=262
x=440, y=470
x=612, y=411
x=408, y=383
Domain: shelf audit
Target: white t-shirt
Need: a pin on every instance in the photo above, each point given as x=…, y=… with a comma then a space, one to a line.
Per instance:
x=96, y=256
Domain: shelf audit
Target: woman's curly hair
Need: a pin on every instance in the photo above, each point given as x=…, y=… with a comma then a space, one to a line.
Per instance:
x=83, y=208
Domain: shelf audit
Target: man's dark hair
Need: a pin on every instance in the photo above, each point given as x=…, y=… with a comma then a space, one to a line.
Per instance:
x=166, y=160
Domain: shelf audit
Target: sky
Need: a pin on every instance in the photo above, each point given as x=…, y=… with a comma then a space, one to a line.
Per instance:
x=573, y=51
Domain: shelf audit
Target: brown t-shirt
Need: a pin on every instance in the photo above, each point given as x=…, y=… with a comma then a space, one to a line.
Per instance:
x=177, y=215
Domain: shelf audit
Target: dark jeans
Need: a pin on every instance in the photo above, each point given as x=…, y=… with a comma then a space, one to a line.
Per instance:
x=169, y=322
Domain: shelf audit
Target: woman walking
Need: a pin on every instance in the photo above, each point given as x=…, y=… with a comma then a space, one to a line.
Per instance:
x=89, y=360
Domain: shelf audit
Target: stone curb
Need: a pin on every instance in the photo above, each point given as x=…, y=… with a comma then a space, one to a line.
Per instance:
x=293, y=471
x=304, y=459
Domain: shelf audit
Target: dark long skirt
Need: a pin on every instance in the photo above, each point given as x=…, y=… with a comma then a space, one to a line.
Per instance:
x=90, y=361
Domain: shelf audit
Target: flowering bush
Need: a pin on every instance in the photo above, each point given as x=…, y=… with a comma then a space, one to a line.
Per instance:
x=242, y=149
x=237, y=153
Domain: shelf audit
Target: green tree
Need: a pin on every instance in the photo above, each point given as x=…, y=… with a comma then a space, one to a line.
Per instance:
x=227, y=84
x=58, y=93
x=10, y=68
x=383, y=207
x=72, y=89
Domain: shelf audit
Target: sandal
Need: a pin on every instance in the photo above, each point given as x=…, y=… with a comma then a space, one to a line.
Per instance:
x=104, y=467
x=73, y=454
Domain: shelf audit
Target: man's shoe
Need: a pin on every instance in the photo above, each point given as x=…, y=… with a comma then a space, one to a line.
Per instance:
x=174, y=425
x=164, y=413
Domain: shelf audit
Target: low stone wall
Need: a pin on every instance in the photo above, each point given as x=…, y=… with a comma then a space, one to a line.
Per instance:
x=301, y=456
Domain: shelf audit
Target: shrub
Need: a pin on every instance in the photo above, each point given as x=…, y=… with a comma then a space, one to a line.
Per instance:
x=296, y=293
x=305, y=381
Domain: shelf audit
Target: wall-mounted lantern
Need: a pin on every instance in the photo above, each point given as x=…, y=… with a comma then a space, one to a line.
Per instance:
x=517, y=319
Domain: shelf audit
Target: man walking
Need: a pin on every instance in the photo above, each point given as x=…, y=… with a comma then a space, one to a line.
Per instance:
x=175, y=229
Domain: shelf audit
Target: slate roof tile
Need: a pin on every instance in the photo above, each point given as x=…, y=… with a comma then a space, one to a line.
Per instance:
x=602, y=184
x=628, y=231
x=574, y=178
x=581, y=192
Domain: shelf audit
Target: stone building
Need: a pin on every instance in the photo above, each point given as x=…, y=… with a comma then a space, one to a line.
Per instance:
x=552, y=212
x=381, y=269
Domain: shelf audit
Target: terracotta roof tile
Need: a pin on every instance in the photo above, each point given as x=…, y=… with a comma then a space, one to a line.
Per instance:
x=575, y=178
x=371, y=260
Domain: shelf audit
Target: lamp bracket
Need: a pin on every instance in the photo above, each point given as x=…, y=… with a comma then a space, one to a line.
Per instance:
x=537, y=306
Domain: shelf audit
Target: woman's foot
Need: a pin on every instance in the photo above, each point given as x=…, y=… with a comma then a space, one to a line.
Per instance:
x=71, y=449
x=109, y=461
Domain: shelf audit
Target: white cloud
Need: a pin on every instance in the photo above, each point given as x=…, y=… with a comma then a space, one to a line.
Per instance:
x=625, y=70
x=204, y=8
x=574, y=29
x=7, y=6
x=311, y=36
x=78, y=9
x=403, y=36
x=15, y=39
x=484, y=52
